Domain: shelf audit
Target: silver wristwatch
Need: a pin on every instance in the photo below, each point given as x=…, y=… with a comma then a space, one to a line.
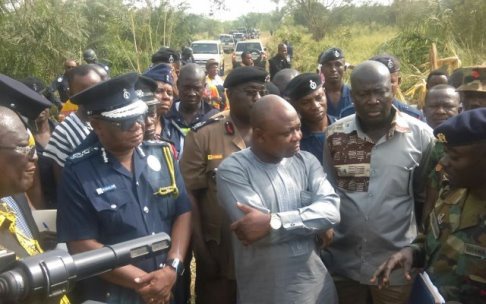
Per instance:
x=275, y=221
x=177, y=265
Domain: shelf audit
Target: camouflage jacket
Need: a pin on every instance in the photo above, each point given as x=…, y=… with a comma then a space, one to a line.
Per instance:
x=454, y=246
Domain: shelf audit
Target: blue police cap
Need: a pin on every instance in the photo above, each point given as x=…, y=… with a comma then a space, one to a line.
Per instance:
x=165, y=55
x=113, y=99
x=302, y=85
x=243, y=75
x=467, y=128
x=20, y=98
x=331, y=54
x=389, y=61
x=145, y=89
x=161, y=72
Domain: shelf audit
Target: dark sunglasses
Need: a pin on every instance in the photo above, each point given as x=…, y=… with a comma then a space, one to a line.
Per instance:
x=127, y=124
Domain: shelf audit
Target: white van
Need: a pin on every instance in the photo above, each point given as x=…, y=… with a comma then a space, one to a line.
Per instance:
x=203, y=50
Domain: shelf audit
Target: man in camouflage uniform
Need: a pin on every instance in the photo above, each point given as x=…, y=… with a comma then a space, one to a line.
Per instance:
x=453, y=250
x=473, y=91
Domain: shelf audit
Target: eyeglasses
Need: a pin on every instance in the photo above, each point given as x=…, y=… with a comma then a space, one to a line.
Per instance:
x=28, y=151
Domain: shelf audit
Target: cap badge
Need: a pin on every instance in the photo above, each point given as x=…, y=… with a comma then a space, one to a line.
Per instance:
x=139, y=93
x=312, y=84
x=441, y=138
x=126, y=94
x=171, y=59
x=336, y=54
x=390, y=64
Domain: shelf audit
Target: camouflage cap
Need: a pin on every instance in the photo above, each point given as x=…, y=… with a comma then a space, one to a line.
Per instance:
x=474, y=79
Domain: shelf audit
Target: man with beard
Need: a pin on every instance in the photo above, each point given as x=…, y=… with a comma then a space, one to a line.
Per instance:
x=205, y=148
x=119, y=189
x=453, y=249
x=278, y=199
x=375, y=158
x=279, y=61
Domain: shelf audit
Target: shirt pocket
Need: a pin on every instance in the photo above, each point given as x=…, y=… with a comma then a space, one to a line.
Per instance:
x=115, y=212
x=399, y=180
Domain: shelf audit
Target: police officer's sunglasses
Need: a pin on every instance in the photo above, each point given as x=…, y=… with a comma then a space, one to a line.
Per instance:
x=126, y=124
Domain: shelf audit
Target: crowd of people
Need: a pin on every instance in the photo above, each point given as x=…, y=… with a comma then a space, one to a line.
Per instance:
x=285, y=187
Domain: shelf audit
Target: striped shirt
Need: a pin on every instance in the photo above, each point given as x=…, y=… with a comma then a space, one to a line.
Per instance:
x=65, y=138
x=21, y=222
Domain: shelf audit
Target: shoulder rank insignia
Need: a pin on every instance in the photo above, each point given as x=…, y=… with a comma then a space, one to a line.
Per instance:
x=156, y=143
x=80, y=155
x=201, y=124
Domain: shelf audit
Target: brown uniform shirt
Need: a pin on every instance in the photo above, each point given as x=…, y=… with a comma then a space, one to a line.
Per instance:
x=204, y=149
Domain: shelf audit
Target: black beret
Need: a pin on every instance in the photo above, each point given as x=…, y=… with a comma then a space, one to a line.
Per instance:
x=165, y=55
x=467, y=128
x=20, y=98
x=331, y=54
x=243, y=75
x=302, y=85
x=145, y=89
x=160, y=72
x=113, y=99
x=389, y=61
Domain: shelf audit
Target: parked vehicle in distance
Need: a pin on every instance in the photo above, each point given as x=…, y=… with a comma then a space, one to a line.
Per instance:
x=228, y=43
x=254, y=46
x=203, y=50
x=239, y=37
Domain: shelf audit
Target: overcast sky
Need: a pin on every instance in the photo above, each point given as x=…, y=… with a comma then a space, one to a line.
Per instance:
x=237, y=8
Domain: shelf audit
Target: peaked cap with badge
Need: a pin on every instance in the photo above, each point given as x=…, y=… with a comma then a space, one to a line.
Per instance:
x=331, y=54
x=145, y=89
x=114, y=99
x=474, y=79
x=302, y=85
x=467, y=128
x=243, y=75
x=160, y=72
x=20, y=98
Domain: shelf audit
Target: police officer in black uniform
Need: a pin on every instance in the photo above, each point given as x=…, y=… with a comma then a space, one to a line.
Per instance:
x=120, y=188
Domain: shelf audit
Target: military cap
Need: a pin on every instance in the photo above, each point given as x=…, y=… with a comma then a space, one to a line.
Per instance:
x=389, y=61
x=160, y=72
x=165, y=55
x=114, y=99
x=331, y=54
x=145, y=89
x=467, y=128
x=243, y=75
x=20, y=98
x=474, y=79
x=302, y=85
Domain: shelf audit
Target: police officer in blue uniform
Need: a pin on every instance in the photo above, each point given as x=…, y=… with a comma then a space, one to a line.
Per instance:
x=120, y=188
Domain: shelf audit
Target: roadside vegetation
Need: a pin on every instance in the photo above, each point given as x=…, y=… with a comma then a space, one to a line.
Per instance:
x=36, y=36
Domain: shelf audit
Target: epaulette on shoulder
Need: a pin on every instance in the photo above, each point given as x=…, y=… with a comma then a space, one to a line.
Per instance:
x=155, y=143
x=77, y=157
x=201, y=124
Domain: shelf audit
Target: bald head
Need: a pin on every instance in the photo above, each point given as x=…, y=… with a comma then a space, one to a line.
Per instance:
x=369, y=71
x=282, y=78
x=276, y=129
x=10, y=123
x=192, y=71
x=268, y=109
